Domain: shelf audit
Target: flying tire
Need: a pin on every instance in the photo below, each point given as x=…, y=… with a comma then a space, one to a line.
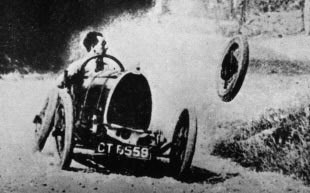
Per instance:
x=232, y=69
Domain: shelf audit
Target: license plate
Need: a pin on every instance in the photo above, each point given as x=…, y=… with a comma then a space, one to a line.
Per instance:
x=137, y=152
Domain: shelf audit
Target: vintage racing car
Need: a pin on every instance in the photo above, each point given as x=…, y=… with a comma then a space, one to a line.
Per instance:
x=111, y=119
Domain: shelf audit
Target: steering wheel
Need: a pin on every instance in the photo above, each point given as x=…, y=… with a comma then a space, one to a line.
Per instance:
x=115, y=60
x=68, y=81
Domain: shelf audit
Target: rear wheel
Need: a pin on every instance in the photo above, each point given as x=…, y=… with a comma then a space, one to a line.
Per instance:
x=232, y=69
x=183, y=143
x=63, y=129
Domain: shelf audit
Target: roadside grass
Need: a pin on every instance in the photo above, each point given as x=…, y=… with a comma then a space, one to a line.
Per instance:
x=269, y=61
x=279, y=141
x=274, y=24
x=277, y=66
x=287, y=55
x=17, y=76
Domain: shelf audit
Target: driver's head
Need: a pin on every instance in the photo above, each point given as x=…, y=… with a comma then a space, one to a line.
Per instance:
x=94, y=42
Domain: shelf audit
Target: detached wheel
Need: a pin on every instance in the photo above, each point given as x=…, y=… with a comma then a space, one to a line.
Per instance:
x=43, y=130
x=63, y=129
x=183, y=143
x=232, y=69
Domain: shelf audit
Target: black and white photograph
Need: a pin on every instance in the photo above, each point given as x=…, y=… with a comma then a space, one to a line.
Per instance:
x=155, y=96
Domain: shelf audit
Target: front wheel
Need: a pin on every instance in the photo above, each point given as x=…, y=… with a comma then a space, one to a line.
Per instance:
x=43, y=129
x=232, y=69
x=63, y=129
x=183, y=143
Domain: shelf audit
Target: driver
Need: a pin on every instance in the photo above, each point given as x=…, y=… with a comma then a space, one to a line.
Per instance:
x=95, y=45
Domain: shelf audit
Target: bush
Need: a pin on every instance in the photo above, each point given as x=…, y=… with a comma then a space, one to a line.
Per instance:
x=278, y=141
x=276, y=5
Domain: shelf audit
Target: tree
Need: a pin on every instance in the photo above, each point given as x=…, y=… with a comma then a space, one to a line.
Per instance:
x=243, y=14
x=307, y=16
x=232, y=9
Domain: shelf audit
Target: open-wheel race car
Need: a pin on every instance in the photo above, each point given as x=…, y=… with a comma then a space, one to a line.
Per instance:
x=111, y=118
x=232, y=68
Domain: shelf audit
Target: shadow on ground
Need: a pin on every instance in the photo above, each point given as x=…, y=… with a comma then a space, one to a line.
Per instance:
x=136, y=168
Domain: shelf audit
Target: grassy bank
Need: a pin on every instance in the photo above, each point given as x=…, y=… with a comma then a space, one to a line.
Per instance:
x=278, y=141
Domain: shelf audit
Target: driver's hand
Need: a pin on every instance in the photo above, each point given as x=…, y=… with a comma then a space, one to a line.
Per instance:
x=95, y=74
x=61, y=85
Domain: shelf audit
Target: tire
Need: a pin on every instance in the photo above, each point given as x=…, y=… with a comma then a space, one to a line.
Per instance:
x=183, y=143
x=43, y=130
x=63, y=129
x=232, y=69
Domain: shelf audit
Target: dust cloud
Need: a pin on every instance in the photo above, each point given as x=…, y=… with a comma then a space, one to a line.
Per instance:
x=178, y=52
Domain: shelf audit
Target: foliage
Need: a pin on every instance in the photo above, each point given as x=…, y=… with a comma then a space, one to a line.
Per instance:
x=35, y=32
x=276, y=5
x=278, y=141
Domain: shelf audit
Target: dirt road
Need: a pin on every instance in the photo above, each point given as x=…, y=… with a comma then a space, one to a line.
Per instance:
x=22, y=171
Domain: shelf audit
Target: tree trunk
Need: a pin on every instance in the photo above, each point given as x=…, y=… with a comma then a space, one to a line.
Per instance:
x=243, y=14
x=307, y=17
x=302, y=15
x=232, y=9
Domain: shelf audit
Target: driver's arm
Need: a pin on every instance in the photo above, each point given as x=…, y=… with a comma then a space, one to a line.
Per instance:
x=74, y=67
x=60, y=80
x=90, y=69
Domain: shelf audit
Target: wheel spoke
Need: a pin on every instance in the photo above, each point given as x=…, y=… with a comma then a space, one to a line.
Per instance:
x=182, y=155
x=185, y=132
x=60, y=126
x=179, y=144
